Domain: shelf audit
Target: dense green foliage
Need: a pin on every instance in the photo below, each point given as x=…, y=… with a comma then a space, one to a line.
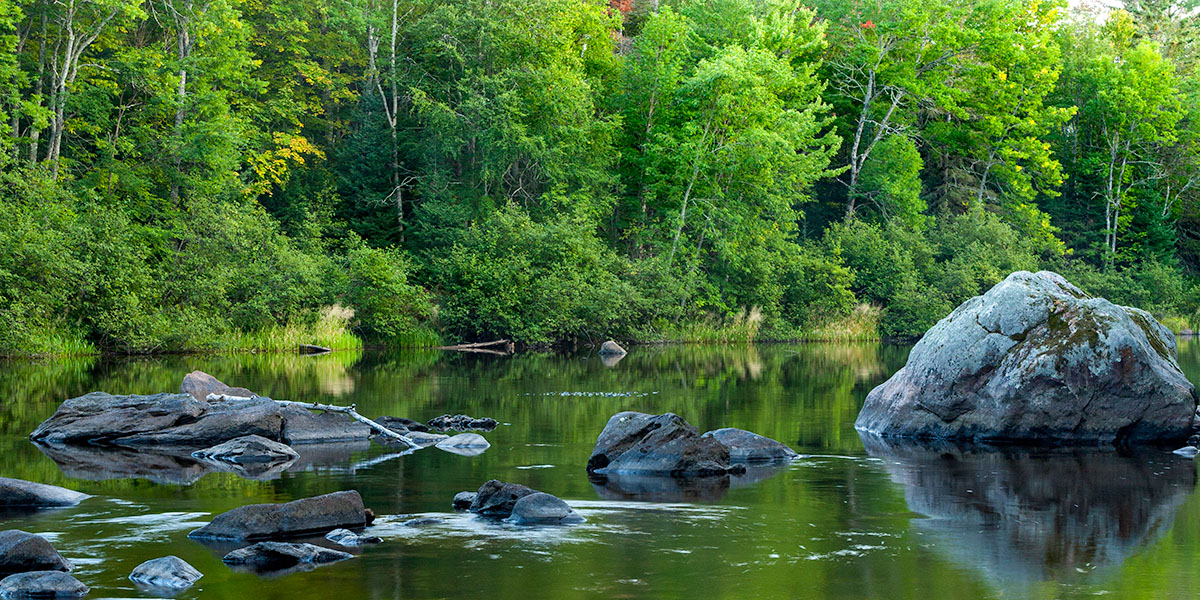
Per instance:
x=218, y=174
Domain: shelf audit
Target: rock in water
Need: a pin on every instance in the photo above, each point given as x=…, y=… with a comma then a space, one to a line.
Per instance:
x=1036, y=359
x=463, y=500
x=199, y=385
x=1187, y=451
x=248, y=449
x=543, y=509
x=42, y=584
x=345, y=537
x=611, y=348
x=274, y=556
x=748, y=447
x=21, y=552
x=318, y=514
x=166, y=572
x=16, y=493
x=303, y=426
x=634, y=442
x=496, y=498
x=466, y=444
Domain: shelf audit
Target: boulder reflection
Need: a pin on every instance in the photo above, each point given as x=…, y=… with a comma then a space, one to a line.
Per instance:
x=660, y=488
x=1023, y=516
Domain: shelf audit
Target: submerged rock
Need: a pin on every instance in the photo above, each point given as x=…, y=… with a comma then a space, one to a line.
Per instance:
x=166, y=572
x=249, y=449
x=16, y=493
x=611, y=348
x=302, y=426
x=462, y=423
x=423, y=522
x=748, y=447
x=463, y=500
x=21, y=551
x=634, y=442
x=199, y=385
x=496, y=498
x=318, y=514
x=1036, y=359
x=543, y=509
x=276, y=556
x=345, y=537
x=42, y=584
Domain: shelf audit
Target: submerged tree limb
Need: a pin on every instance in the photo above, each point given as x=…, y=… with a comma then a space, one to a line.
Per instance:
x=347, y=410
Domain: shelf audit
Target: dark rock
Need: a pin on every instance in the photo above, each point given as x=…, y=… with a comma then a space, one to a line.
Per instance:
x=747, y=447
x=462, y=423
x=423, y=522
x=401, y=425
x=303, y=426
x=1035, y=359
x=1194, y=440
x=543, y=509
x=313, y=349
x=199, y=385
x=496, y=498
x=99, y=417
x=611, y=348
x=634, y=442
x=248, y=449
x=345, y=537
x=42, y=584
x=167, y=572
x=463, y=500
x=466, y=444
x=20, y=493
x=276, y=556
x=223, y=421
x=319, y=514
x=21, y=552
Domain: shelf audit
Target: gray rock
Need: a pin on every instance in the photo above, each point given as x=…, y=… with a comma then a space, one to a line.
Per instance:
x=543, y=509
x=611, y=348
x=318, y=514
x=401, y=425
x=466, y=444
x=222, y=421
x=1036, y=359
x=20, y=493
x=276, y=556
x=462, y=423
x=496, y=498
x=463, y=500
x=313, y=349
x=248, y=449
x=303, y=426
x=1187, y=451
x=748, y=447
x=21, y=551
x=99, y=417
x=420, y=438
x=345, y=537
x=634, y=442
x=42, y=584
x=166, y=572
x=423, y=522
x=199, y=385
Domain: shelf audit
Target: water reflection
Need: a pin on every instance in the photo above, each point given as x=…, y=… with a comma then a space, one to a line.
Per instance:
x=657, y=488
x=1027, y=516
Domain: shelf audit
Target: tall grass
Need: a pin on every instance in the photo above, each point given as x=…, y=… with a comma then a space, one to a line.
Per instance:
x=55, y=342
x=331, y=329
x=741, y=328
x=861, y=325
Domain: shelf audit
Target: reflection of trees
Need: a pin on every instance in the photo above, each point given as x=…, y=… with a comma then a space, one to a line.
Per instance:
x=1025, y=516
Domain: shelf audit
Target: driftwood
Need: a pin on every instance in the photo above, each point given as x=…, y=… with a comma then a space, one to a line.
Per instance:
x=347, y=410
x=483, y=347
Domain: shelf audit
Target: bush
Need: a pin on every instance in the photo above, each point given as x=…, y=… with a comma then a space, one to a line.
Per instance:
x=386, y=305
x=914, y=310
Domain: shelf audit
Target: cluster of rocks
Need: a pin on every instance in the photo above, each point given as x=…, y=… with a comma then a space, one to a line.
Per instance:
x=31, y=567
x=462, y=423
x=516, y=504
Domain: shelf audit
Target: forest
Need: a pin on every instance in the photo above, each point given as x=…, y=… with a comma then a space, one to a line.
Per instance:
x=229, y=175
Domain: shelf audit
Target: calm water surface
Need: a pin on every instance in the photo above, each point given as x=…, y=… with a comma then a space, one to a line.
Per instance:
x=857, y=519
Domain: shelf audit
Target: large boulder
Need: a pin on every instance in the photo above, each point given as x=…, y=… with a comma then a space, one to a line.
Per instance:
x=222, y=421
x=248, y=449
x=18, y=493
x=316, y=515
x=751, y=448
x=543, y=509
x=42, y=584
x=303, y=426
x=634, y=442
x=1035, y=359
x=496, y=498
x=169, y=572
x=199, y=385
x=21, y=552
x=276, y=556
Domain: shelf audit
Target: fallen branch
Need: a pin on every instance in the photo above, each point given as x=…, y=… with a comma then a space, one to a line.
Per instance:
x=347, y=410
x=476, y=346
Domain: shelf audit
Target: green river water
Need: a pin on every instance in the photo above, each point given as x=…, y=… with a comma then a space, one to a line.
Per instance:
x=853, y=519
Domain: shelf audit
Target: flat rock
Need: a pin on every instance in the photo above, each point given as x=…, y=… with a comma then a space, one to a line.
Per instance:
x=543, y=509
x=42, y=584
x=748, y=447
x=401, y=425
x=276, y=556
x=1035, y=359
x=21, y=551
x=634, y=442
x=423, y=522
x=463, y=500
x=303, y=426
x=318, y=514
x=20, y=493
x=496, y=498
x=199, y=385
x=169, y=572
x=248, y=449
x=222, y=421
x=469, y=444
x=345, y=537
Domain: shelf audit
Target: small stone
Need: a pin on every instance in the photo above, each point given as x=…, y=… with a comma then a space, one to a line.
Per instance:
x=749, y=447
x=166, y=572
x=42, y=584
x=422, y=522
x=21, y=551
x=611, y=348
x=274, y=556
x=496, y=498
x=543, y=509
x=345, y=537
x=463, y=500
x=1188, y=451
x=249, y=449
